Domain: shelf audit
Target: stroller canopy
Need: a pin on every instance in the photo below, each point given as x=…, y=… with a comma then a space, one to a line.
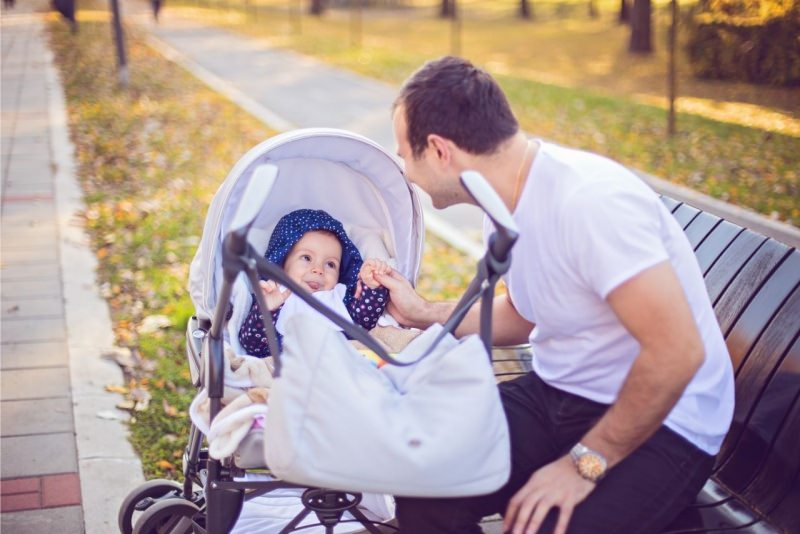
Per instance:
x=349, y=176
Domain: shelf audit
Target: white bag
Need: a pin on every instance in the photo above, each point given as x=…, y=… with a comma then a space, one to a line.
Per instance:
x=432, y=429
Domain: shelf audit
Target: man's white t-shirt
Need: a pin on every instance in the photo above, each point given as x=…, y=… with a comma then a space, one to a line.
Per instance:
x=587, y=225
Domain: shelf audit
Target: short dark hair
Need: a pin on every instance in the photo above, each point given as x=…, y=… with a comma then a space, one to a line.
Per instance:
x=453, y=98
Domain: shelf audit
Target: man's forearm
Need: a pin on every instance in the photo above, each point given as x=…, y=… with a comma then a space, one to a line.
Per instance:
x=508, y=327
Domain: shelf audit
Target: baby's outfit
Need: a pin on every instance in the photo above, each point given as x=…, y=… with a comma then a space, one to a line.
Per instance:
x=364, y=311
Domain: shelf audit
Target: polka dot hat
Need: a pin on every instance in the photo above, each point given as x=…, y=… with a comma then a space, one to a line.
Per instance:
x=296, y=224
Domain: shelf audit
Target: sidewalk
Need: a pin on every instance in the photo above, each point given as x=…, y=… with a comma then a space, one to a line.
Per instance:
x=66, y=463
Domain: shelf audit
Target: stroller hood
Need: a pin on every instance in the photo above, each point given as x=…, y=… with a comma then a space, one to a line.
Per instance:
x=347, y=175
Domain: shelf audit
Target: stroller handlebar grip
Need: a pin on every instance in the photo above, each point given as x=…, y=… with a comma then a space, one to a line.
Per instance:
x=490, y=202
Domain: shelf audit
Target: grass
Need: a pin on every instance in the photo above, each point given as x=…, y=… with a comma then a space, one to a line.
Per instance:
x=149, y=161
x=570, y=80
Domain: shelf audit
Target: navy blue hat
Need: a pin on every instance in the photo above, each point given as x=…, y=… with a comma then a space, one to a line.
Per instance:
x=293, y=226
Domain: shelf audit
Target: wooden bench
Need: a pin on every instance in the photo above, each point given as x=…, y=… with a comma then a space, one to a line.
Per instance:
x=754, y=284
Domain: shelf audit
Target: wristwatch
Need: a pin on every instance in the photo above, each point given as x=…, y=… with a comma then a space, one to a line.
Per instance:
x=590, y=464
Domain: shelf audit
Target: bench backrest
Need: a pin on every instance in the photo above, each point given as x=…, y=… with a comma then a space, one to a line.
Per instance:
x=754, y=284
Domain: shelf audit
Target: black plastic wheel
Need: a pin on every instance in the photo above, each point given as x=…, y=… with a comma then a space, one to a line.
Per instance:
x=171, y=516
x=152, y=489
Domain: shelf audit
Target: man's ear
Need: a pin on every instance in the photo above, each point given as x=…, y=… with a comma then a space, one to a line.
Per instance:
x=441, y=147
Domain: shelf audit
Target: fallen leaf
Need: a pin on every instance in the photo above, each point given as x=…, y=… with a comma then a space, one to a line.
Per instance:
x=170, y=410
x=164, y=464
x=140, y=394
x=123, y=357
x=153, y=323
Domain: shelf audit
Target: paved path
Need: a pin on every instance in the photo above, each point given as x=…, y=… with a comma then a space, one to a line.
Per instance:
x=64, y=449
x=288, y=90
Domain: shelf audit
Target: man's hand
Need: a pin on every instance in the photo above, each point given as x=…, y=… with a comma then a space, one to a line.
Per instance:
x=273, y=295
x=556, y=485
x=405, y=304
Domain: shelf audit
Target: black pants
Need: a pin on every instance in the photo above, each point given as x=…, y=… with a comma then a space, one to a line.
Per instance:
x=642, y=493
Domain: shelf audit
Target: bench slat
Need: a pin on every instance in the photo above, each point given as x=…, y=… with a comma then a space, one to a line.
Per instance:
x=715, y=244
x=747, y=281
x=734, y=257
x=763, y=404
x=700, y=227
x=671, y=203
x=760, y=310
x=685, y=214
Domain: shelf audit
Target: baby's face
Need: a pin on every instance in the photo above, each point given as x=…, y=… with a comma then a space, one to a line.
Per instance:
x=314, y=261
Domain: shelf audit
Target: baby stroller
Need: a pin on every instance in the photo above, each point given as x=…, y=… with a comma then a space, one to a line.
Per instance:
x=324, y=169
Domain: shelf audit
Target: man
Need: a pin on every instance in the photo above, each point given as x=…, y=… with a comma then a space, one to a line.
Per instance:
x=616, y=428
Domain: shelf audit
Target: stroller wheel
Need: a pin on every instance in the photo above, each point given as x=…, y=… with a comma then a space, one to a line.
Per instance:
x=171, y=515
x=143, y=497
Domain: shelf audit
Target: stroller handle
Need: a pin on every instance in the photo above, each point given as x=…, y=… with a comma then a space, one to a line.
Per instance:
x=489, y=201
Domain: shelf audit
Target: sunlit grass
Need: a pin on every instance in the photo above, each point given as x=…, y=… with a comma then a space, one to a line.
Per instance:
x=571, y=80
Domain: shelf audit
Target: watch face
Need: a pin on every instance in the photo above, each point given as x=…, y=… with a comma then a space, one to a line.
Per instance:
x=591, y=466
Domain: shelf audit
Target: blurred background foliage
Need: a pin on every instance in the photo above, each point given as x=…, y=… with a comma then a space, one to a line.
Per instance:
x=570, y=79
x=755, y=41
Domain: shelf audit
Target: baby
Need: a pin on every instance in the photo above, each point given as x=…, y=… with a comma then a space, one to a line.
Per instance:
x=314, y=250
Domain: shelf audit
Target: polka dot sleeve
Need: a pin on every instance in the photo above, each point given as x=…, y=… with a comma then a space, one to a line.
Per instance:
x=366, y=310
x=252, y=335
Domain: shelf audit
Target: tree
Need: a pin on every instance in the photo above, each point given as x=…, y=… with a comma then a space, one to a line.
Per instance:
x=525, y=10
x=67, y=10
x=641, y=35
x=624, y=12
x=317, y=7
x=593, y=13
x=447, y=9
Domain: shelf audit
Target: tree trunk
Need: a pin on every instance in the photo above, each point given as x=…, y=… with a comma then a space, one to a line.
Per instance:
x=593, y=9
x=672, y=78
x=317, y=7
x=447, y=9
x=525, y=11
x=641, y=37
x=624, y=12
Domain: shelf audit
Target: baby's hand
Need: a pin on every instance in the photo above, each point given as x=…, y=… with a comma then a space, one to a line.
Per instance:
x=273, y=295
x=367, y=274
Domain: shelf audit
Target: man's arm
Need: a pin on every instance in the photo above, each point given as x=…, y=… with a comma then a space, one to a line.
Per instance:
x=410, y=309
x=653, y=308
